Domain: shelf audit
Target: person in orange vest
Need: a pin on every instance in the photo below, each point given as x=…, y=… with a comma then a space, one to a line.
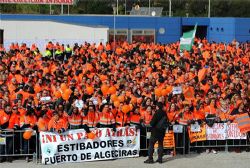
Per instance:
x=122, y=119
x=42, y=123
x=28, y=122
x=75, y=119
x=107, y=119
x=91, y=118
x=135, y=118
x=224, y=112
x=15, y=124
x=57, y=124
x=188, y=114
x=145, y=122
x=62, y=113
x=6, y=131
x=147, y=116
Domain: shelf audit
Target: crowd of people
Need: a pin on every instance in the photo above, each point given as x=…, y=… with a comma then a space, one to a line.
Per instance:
x=102, y=85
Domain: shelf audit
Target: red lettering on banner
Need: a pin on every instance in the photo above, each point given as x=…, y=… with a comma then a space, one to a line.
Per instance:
x=79, y=135
x=43, y=140
x=63, y=137
x=70, y=137
x=49, y=138
x=108, y=133
x=67, y=137
x=98, y=133
x=119, y=133
x=132, y=132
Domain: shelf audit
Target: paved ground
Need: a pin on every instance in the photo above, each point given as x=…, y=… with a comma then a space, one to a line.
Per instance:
x=220, y=160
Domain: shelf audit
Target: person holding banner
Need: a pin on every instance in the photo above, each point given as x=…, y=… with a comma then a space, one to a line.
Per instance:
x=107, y=119
x=57, y=124
x=91, y=118
x=121, y=118
x=75, y=119
x=158, y=124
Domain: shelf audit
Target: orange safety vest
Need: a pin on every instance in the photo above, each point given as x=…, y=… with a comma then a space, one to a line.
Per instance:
x=107, y=118
x=14, y=120
x=172, y=115
x=210, y=109
x=199, y=114
x=57, y=125
x=3, y=117
x=183, y=120
x=224, y=116
x=147, y=118
x=28, y=120
x=135, y=119
x=75, y=120
x=91, y=119
x=42, y=124
x=121, y=119
x=188, y=116
x=243, y=121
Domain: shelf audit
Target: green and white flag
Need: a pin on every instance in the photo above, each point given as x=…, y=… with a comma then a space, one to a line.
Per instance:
x=187, y=40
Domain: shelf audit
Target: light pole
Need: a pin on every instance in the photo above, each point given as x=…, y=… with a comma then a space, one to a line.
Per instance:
x=62, y=9
x=209, y=5
x=50, y=9
x=149, y=6
x=170, y=8
x=114, y=12
x=117, y=7
x=125, y=5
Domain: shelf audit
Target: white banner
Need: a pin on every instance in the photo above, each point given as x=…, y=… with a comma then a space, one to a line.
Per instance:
x=195, y=127
x=178, y=128
x=73, y=146
x=233, y=132
x=177, y=90
x=217, y=132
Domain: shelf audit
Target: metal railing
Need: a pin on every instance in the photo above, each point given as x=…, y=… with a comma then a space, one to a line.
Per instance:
x=12, y=144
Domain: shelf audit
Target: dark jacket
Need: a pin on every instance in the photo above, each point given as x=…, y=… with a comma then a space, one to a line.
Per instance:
x=156, y=118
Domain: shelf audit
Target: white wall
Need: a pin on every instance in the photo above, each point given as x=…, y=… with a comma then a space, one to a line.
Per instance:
x=40, y=32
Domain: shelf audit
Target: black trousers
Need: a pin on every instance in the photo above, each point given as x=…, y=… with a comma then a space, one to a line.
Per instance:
x=152, y=142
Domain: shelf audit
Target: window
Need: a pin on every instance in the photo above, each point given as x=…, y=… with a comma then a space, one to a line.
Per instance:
x=121, y=35
x=145, y=36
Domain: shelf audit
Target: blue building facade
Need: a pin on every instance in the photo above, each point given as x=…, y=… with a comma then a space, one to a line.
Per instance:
x=166, y=30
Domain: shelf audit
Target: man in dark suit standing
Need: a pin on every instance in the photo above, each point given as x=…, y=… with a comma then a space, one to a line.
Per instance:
x=157, y=133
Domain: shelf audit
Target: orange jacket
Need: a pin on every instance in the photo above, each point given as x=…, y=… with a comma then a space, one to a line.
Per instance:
x=135, y=119
x=3, y=117
x=147, y=118
x=91, y=119
x=14, y=120
x=31, y=120
x=107, y=118
x=42, y=124
x=75, y=120
x=122, y=119
x=57, y=125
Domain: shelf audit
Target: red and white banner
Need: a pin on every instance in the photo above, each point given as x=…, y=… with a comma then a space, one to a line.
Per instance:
x=233, y=132
x=73, y=146
x=223, y=131
x=53, y=2
x=217, y=132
